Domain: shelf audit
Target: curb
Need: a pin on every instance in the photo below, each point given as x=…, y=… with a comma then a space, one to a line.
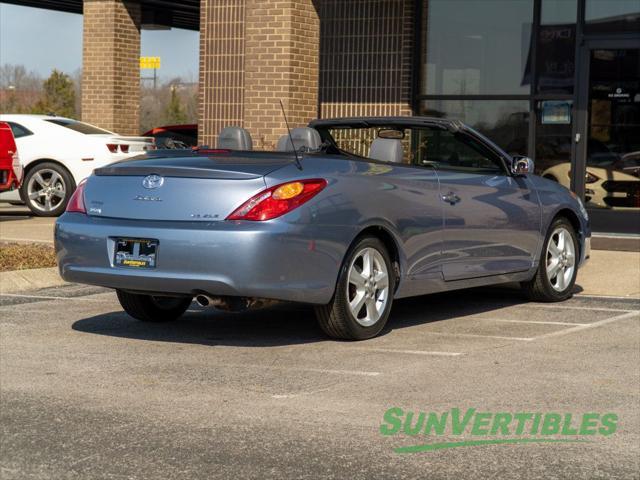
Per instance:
x=31, y=279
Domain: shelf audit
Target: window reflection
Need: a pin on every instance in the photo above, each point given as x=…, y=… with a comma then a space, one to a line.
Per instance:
x=476, y=47
x=505, y=122
x=612, y=16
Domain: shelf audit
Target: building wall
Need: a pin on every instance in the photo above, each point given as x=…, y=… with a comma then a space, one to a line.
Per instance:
x=366, y=55
x=253, y=54
x=328, y=58
x=222, y=64
x=110, y=65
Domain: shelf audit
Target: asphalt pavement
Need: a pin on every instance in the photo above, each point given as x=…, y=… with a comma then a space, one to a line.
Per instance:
x=89, y=393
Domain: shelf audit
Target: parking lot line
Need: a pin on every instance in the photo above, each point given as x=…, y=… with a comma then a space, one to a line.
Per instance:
x=473, y=335
x=50, y=297
x=569, y=307
x=540, y=322
x=567, y=331
x=409, y=352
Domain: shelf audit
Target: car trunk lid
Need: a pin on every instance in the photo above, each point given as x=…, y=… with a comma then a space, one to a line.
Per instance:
x=179, y=188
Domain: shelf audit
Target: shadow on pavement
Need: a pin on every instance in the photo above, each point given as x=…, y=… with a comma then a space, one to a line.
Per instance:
x=290, y=325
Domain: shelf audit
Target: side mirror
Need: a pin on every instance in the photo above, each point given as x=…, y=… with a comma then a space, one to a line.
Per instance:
x=522, y=165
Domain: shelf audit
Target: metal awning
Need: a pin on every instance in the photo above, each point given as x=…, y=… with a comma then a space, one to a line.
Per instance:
x=178, y=14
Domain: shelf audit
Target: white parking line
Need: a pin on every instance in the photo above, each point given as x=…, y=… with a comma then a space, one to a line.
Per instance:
x=567, y=331
x=569, y=307
x=409, y=352
x=46, y=297
x=473, y=335
x=540, y=322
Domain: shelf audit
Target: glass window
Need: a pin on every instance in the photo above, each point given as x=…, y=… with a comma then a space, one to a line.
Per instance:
x=357, y=141
x=18, y=130
x=612, y=16
x=475, y=47
x=79, y=127
x=448, y=151
x=553, y=138
x=555, y=65
x=505, y=122
x=558, y=11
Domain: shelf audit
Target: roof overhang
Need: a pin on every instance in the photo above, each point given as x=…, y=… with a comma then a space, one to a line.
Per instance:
x=156, y=14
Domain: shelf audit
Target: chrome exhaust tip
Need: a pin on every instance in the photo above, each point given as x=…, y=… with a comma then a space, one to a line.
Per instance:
x=203, y=300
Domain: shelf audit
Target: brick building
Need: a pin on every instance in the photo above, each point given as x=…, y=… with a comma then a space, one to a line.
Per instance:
x=556, y=80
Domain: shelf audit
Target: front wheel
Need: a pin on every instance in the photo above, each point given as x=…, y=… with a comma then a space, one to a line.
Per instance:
x=361, y=304
x=558, y=267
x=149, y=308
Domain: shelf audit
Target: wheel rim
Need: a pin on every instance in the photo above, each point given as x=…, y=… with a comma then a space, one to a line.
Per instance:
x=561, y=259
x=368, y=286
x=46, y=190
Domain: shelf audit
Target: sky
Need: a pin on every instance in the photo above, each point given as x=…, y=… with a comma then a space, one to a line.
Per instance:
x=42, y=40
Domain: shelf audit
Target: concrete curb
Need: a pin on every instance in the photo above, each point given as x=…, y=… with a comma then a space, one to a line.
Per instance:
x=31, y=279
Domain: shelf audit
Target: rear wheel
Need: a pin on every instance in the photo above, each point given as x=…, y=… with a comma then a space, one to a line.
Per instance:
x=46, y=189
x=149, y=308
x=361, y=304
x=557, y=269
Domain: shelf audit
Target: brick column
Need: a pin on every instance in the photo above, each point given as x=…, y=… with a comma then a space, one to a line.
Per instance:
x=110, y=65
x=252, y=54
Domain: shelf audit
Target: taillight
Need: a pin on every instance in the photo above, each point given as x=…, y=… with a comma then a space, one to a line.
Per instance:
x=276, y=201
x=124, y=148
x=113, y=147
x=76, y=202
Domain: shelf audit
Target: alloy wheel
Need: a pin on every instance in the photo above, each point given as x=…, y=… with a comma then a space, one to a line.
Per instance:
x=561, y=259
x=368, y=286
x=46, y=190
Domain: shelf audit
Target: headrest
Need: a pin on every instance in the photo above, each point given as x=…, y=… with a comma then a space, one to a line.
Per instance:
x=302, y=137
x=235, y=138
x=386, y=150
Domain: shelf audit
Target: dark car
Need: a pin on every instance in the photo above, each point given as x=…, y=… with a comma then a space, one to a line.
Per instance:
x=174, y=136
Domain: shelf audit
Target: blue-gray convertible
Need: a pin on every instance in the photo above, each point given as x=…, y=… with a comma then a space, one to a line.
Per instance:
x=346, y=214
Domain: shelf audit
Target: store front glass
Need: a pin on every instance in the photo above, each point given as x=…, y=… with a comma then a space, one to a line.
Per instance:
x=535, y=77
x=612, y=180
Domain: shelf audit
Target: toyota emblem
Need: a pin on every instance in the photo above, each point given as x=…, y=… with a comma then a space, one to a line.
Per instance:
x=152, y=181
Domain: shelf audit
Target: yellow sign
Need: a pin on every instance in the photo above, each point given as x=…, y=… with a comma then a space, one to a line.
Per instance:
x=150, y=62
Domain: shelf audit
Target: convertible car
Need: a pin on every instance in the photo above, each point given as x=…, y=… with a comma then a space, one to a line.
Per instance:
x=345, y=214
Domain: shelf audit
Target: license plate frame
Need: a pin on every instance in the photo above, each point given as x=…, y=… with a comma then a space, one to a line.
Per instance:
x=136, y=253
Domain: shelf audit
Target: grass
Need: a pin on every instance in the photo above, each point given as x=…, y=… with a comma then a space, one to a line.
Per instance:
x=15, y=256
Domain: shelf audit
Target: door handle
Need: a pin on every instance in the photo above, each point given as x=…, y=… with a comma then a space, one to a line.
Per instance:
x=451, y=198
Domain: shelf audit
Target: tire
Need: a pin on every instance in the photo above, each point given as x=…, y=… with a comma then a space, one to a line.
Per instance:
x=148, y=308
x=46, y=189
x=337, y=319
x=557, y=272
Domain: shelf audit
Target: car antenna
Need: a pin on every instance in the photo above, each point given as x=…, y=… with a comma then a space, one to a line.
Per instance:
x=293, y=145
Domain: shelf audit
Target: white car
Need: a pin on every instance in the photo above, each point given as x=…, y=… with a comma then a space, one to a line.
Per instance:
x=57, y=153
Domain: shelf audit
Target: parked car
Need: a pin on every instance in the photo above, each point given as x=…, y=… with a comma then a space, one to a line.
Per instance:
x=57, y=153
x=315, y=223
x=606, y=186
x=175, y=136
x=10, y=166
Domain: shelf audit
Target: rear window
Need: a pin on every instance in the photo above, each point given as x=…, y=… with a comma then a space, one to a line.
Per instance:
x=79, y=127
x=18, y=130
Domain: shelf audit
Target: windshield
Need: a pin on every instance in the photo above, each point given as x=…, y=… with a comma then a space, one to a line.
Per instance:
x=79, y=127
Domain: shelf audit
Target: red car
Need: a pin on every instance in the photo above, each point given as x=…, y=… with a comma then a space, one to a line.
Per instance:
x=174, y=136
x=10, y=167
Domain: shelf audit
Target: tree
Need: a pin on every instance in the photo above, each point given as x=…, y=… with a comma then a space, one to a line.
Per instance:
x=58, y=96
x=174, y=113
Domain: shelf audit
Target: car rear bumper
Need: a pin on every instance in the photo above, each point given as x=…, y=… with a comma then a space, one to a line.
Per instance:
x=275, y=260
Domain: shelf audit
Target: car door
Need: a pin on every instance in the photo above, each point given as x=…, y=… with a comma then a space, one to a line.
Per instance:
x=491, y=219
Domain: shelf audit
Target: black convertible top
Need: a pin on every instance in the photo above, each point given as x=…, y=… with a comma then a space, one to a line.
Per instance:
x=363, y=122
